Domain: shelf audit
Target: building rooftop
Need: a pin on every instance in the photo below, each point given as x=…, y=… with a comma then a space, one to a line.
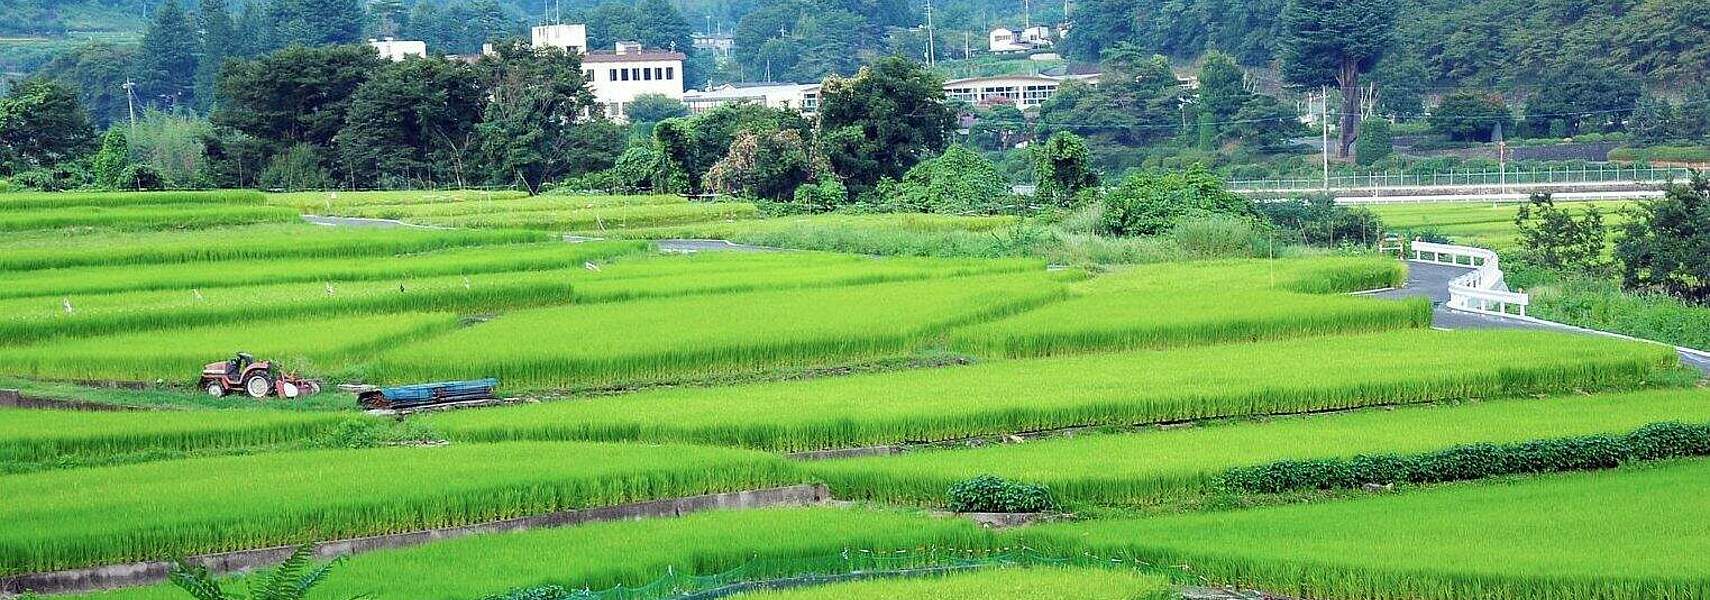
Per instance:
x=732, y=92
x=643, y=55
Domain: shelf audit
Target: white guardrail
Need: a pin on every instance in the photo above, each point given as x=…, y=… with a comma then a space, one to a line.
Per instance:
x=1482, y=289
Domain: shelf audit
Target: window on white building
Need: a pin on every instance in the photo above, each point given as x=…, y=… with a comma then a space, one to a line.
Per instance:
x=613, y=75
x=670, y=73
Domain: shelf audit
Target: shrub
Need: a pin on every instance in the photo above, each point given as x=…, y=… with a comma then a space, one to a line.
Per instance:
x=1219, y=236
x=989, y=493
x=1470, y=116
x=1474, y=461
x=1374, y=143
x=960, y=181
x=296, y=169
x=823, y=196
x=1152, y=203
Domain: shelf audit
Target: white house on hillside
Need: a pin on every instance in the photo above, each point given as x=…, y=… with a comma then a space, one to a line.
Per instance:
x=396, y=50
x=1004, y=39
x=803, y=97
x=619, y=75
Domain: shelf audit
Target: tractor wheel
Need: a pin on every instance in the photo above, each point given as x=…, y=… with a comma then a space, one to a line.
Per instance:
x=214, y=388
x=258, y=385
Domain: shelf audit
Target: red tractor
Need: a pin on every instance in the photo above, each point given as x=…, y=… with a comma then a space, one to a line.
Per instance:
x=259, y=379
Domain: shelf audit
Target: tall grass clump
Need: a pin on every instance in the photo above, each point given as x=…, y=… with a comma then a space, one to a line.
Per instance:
x=186, y=216
x=1624, y=534
x=33, y=436
x=1010, y=583
x=295, y=240
x=316, y=346
x=753, y=544
x=165, y=509
x=48, y=200
x=1009, y=396
x=1182, y=304
x=1152, y=466
x=596, y=345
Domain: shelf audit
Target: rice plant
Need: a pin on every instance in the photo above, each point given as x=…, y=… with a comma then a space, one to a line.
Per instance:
x=416, y=211
x=296, y=240
x=78, y=281
x=184, y=216
x=333, y=202
x=1148, y=467
x=1625, y=534
x=745, y=544
x=1180, y=304
x=31, y=436
x=311, y=345
x=1010, y=583
x=600, y=219
x=915, y=222
x=1000, y=397
x=14, y=202
x=669, y=339
x=165, y=509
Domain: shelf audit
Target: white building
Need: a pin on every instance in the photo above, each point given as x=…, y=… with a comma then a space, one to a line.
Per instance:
x=617, y=76
x=1022, y=91
x=800, y=97
x=1004, y=39
x=396, y=50
x=569, y=36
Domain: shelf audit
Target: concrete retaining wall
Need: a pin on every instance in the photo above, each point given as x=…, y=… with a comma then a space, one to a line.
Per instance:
x=147, y=572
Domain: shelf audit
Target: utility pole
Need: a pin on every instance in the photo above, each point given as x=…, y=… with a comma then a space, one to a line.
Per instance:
x=930, y=50
x=965, y=45
x=131, y=103
x=1026, y=14
x=1324, y=124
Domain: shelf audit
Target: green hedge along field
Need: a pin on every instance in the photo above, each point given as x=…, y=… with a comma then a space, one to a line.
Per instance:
x=174, y=508
x=1624, y=534
x=771, y=542
x=1149, y=467
x=1181, y=304
x=1011, y=583
x=136, y=218
x=1000, y=397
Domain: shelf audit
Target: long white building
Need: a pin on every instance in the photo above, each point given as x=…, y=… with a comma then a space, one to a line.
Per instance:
x=1022, y=91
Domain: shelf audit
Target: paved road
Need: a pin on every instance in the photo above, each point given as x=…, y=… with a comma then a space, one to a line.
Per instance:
x=1432, y=281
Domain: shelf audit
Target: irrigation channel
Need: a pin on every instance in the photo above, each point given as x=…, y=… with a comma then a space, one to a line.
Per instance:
x=1432, y=280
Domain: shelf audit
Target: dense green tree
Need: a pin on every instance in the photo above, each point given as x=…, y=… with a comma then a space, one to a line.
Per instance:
x=112, y=160
x=171, y=145
x=1666, y=39
x=1334, y=42
x=765, y=164
x=295, y=95
x=1138, y=101
x=166, y=73
x=413, y=123
x=886, y=118
x=1401, y=79
x=1667, y=243
x=1150, y=203
x=1062, y=166
x=213, y=42
x=1264, y=123
x=1551, y=237
x=680, y=162
x=1583, y=98
x=42, y=125
x=1222, y=87
x=799, y=40
x=314, y=22
x=536, y=99
x=249, y=33
x=1375, y=142
x=387, y=18
x=1653, y=121
x=959, y=181
x=97, y=71
x=1469, y=115
x=653, y=108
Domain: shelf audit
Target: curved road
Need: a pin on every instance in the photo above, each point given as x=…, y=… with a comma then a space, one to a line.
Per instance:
x=1432, y=280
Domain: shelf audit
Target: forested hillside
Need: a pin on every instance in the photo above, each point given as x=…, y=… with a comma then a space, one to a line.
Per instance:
x=1443, y=43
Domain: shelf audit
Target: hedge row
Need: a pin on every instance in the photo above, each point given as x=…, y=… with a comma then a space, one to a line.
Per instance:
x=1655, y=441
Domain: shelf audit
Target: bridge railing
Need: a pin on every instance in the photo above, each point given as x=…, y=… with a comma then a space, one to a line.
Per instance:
x=1478, y=290
x=1513, y=177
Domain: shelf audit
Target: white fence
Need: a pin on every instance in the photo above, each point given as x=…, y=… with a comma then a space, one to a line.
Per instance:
x=1480, y=290
x=1513, y=177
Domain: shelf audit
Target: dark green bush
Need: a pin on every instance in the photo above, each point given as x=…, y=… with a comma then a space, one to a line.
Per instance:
x=988, y=493
x=545, y=592
x=1473, y=461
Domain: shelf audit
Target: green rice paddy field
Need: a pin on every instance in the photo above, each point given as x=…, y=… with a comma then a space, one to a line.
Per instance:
x=641, y=375
x=1478, y=223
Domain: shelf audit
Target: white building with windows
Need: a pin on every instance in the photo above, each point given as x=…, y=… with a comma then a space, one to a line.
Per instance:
x=396, y=50
x=1022, y=91
x=619, y=75
x=800, y=97
x=1004, y=39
